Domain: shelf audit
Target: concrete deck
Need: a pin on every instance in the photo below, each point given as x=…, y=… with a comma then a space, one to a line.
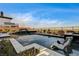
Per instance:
x=18, y=47
x=2, y=35
x=52, y=35
x=43, y=50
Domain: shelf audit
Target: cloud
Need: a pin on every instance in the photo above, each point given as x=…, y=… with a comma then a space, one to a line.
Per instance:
x=49, y=23
x=28, y=20
x=22, y=19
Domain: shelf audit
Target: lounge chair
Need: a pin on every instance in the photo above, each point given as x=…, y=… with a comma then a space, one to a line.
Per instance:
x=62, y=46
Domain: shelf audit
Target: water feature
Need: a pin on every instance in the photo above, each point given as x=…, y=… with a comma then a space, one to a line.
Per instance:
x=42, y=40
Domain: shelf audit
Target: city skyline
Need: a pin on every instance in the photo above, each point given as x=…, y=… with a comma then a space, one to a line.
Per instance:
x=42, y=14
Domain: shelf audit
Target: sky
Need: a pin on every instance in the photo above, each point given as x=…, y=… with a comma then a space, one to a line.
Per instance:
x=39, y=15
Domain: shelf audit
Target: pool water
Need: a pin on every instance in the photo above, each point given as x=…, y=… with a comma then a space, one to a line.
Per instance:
x=42, y=40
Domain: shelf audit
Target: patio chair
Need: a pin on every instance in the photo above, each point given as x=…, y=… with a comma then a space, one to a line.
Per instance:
x=65, y=46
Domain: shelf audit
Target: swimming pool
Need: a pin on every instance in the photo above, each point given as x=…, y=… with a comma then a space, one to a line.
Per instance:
x=42, y=40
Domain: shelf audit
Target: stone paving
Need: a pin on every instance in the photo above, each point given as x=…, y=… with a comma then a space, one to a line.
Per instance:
x=43, y=50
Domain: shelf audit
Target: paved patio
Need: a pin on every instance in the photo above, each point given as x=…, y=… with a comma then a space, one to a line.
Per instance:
x=43, y=50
